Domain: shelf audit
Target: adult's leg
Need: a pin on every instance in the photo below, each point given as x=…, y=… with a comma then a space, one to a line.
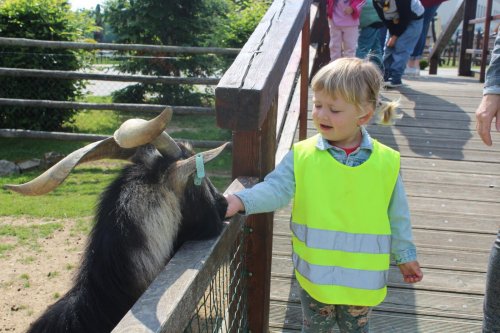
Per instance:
x=402, y=50
x=418, y=50
x=369, y=46
x=491, y=319
x=350, y=40
x=316, y=316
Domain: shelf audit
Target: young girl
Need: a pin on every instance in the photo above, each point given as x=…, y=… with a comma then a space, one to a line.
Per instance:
x=349, y=205
x=343, y=20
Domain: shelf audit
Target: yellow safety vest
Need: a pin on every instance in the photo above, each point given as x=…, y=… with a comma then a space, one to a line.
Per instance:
x=341, y=230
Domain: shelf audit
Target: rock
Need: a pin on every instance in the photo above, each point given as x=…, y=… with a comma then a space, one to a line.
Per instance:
x=8, y=168
x=29, y=165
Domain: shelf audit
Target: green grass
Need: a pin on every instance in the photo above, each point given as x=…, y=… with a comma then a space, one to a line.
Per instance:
x=77, y=195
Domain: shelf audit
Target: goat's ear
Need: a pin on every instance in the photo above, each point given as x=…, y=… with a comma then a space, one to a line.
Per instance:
x=181, y=170
x=54, y=176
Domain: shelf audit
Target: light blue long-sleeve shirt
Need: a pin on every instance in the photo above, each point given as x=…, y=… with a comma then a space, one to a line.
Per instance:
x=278, y=188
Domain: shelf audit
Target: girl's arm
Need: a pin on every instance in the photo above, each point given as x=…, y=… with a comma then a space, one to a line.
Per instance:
x=402, y=247
x=275, y=191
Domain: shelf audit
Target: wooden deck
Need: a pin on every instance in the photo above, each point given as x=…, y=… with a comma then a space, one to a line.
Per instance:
x=452, y=181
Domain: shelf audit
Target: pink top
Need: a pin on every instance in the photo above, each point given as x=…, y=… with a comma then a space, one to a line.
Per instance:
x=335, y=11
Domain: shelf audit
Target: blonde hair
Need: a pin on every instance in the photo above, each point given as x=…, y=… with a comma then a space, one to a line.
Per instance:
x=358, y=82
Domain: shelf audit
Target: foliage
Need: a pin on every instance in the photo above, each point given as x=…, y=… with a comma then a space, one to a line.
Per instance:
x=46, y=20
x=423, y=64
x=218, y=23
x=242, y=18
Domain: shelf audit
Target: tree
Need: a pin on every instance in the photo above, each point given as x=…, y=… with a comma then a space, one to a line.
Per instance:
x=180, y=23
x=47, y=20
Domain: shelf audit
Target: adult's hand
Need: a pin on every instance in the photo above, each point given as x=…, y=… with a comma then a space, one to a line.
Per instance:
x=485, y=113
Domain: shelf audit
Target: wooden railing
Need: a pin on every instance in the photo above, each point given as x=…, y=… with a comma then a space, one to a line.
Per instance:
x=467, y=52
x=247, y=102
x=258, y=100
x=6, y=101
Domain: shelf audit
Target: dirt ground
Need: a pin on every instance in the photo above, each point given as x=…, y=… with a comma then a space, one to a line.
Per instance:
x=33, y=278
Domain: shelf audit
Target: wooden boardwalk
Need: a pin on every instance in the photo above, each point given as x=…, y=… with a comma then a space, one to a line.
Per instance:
x=452, y=181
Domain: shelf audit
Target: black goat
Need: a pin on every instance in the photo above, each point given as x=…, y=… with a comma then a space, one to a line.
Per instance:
x=142, y=218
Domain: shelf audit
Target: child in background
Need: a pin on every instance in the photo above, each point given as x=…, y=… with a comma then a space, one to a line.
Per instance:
x=343, y=20
x=370, y=35
x=350, y=211
x=403, y=19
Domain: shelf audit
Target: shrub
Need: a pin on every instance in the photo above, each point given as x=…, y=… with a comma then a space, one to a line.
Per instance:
x=423, y=64
x=46, y=20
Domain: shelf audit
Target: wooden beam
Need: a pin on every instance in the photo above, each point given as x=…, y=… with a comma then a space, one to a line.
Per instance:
x=39, y=103
x=23, y=42
x=467, y=38
x=71, y=75
x=445, y=36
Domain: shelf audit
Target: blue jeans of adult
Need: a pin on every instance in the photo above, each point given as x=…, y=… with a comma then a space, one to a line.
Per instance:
x=395, y=58
x=369, y=46
x=491, y=320
x=429, y=14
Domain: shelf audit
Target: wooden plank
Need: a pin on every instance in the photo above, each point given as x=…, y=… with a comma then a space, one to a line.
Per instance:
x=487, y=224
x=409, y=301
x=292, y=119
x=287, y=318
x=445, y=37
x=455, y=260
x=23, y=42
x=73, y=75
x=434, y=279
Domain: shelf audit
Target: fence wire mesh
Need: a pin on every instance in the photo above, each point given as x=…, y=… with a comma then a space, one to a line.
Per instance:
x=223, y=307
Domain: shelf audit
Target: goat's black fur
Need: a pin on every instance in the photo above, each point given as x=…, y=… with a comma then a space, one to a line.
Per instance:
x=134, y=236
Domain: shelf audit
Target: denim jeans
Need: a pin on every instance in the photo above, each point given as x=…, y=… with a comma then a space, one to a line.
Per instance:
x=369, y=46
x=395, y=58
x=491, y=320
x=428, y=17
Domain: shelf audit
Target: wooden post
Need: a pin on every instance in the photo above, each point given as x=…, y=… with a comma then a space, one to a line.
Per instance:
x=486, y=41
x=467, y=38
x=246, y=103
x=443, y=39
x=320, y=35
x=304, y=79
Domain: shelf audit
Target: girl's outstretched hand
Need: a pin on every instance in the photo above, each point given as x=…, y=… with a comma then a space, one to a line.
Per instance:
x=234, y=205
x=411, y=272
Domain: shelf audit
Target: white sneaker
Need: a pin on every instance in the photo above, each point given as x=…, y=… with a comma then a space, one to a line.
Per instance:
x=412, y=71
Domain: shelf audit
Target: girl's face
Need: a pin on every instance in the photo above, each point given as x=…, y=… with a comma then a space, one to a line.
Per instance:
x=337, y=120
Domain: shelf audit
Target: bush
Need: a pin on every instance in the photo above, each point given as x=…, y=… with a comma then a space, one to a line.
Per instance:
x=46, y=20
x=423, y=64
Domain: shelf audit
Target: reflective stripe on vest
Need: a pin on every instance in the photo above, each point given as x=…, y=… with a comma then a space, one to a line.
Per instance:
x=341, y=230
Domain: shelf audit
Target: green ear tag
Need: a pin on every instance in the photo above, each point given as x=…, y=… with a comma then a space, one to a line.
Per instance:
x=200, y=169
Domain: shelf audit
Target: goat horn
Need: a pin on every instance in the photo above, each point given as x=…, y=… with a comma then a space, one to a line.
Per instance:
x=187, y=166
x=138, y=132
x=54, y=176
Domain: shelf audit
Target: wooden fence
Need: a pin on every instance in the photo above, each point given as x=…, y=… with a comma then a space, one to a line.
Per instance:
x=6, y=101
x=262, y=98
x=258, y=100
